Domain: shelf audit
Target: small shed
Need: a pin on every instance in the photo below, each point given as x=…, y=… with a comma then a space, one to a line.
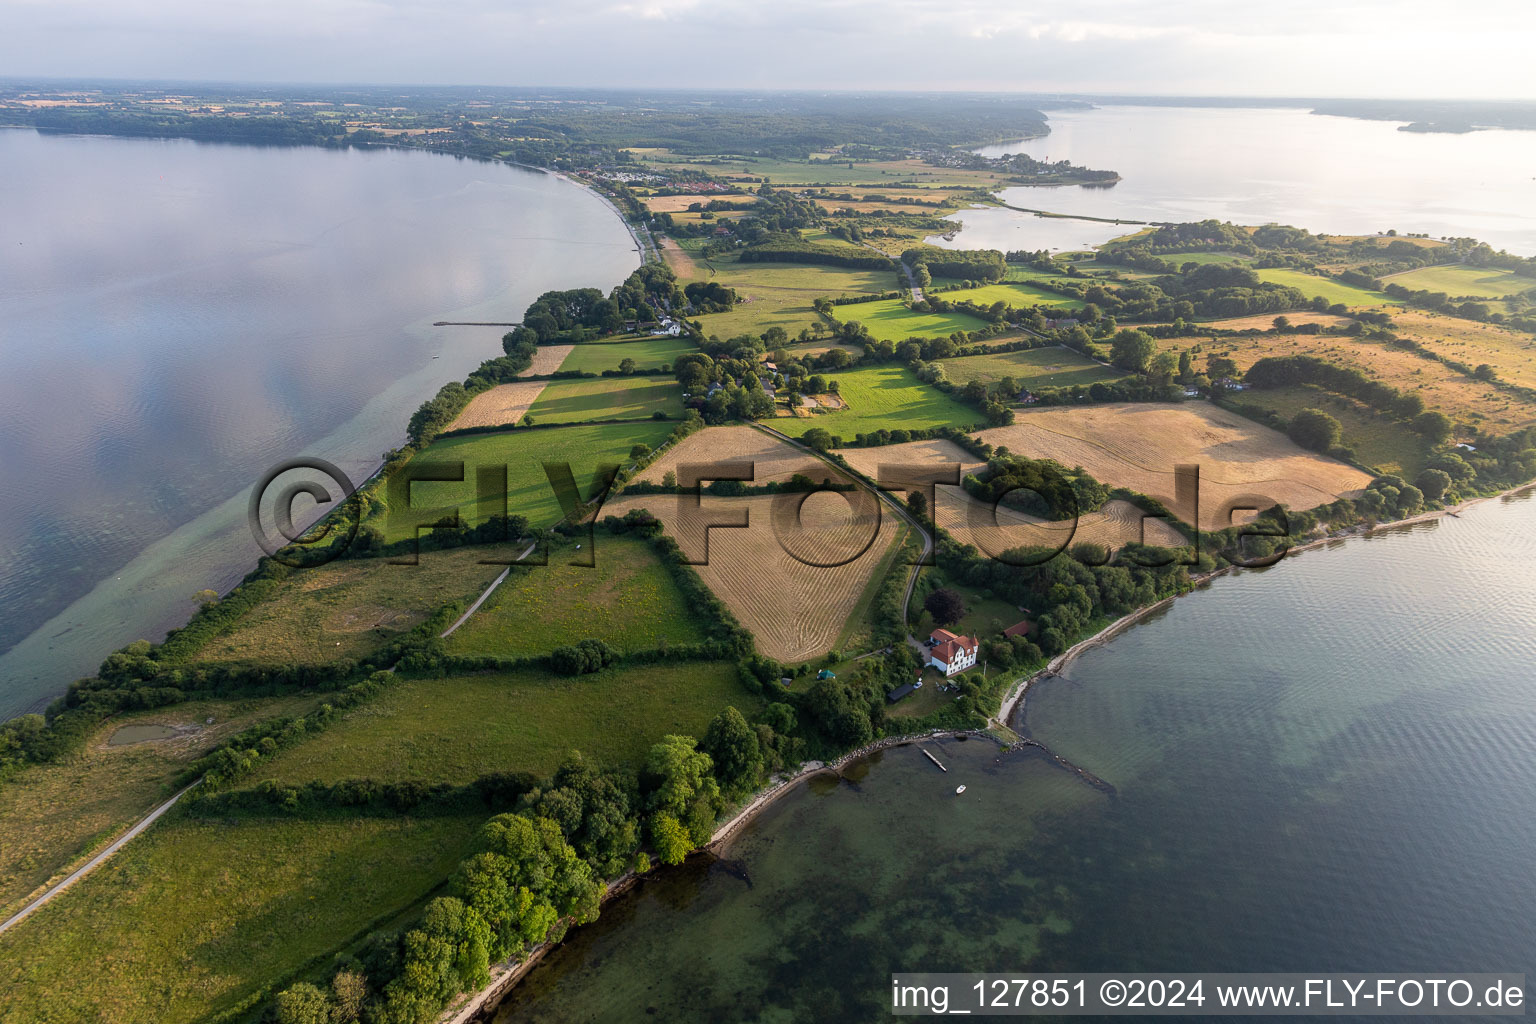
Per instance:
x=1019, y=629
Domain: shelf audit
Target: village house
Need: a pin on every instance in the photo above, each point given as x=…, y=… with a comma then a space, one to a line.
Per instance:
x=950, y=653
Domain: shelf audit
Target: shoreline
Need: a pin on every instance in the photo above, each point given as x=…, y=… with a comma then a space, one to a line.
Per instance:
x=644, y=250
x=1012, y=701
x=505, y=977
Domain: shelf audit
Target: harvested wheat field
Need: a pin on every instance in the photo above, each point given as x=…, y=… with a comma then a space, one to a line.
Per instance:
x=678, y=204
x=772, y=459
x=1116, y=524
x=546, y=360
x=780, y=575
x=971, y=522
x=503, y=405
x=913, y=453
x=1137, y=445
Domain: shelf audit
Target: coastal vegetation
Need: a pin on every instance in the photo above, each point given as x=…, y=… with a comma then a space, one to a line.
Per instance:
x=367, y=844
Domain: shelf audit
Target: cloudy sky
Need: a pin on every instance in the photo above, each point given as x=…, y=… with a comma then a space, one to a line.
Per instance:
x=1474, y=48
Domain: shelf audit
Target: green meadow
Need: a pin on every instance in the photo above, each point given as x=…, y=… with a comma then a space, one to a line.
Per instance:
x=523, y=452
x=891, y=320
x=197, y=914
x=1335, y=292
x=351, y=608
x=1011, y=294
x=52, y=815
x=1458, y=281
x=781, y=294
x=884, y=396
x=457, y=729
x=605, y=398
x=626, y=599
x=648, y=354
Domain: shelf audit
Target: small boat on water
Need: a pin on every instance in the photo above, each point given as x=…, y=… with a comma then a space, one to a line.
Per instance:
x=959, y=790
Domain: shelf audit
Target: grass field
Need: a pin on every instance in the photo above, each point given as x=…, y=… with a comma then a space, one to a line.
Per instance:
x=1035, y=367
x=985, y=616
x=1450, y=391
x=884, y=396
x=880, y=174
x=523, y=453
x=353, y=607
x=649, y=353
x=1178, y=259
x=889, y=320
x=627, y=600
x=52, y=815
x=1459, y=281
x=1377, y=440
x=194, y=915
x=456, y=729
x=1334, y=291
x=604, y=398
x=1013, y=294
x=776, y=294
x=1138, y=445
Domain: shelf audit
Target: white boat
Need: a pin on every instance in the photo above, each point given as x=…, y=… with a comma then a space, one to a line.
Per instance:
x=959, y=790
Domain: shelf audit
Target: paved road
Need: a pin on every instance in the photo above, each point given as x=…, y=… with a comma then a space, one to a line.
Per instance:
x=95, y=862
x=917, y=293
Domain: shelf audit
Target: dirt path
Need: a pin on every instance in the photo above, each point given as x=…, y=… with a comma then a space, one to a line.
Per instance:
x=154, y=815
x=487, y=593
x=95, y=862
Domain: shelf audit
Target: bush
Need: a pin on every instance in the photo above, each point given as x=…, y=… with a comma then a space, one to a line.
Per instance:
x=581, y=658
x=1314, y=429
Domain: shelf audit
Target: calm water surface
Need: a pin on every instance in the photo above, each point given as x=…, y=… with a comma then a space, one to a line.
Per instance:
x=176, y=317
x=1328, y=765
x=1257, y=166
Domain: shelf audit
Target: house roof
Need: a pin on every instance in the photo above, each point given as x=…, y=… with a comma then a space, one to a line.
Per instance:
x=1018, y=629
x=942, y=635
x=949, y=650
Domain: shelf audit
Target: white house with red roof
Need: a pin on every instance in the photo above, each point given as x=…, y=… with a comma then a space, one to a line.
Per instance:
x=950, y=653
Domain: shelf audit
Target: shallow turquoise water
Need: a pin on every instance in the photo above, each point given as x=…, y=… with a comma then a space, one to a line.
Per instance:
x=1328, y=765
x=177, y=317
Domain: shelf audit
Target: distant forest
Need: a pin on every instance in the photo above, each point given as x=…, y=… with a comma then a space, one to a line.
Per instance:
x=547, y=127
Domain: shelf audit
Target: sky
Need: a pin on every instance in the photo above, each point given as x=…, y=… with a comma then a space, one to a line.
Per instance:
x=1394, y=48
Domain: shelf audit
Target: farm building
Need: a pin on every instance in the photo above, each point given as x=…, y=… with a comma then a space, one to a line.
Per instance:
x=950, y=653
